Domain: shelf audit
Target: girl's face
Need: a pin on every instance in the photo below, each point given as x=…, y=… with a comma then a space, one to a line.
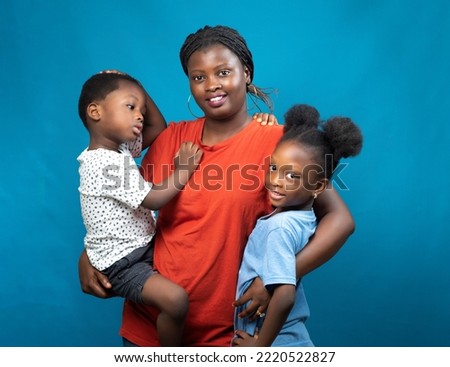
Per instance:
x=121, y=113
x=218, y=82
x=293, y=177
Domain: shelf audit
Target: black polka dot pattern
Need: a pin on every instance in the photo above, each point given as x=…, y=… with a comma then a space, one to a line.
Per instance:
x=111, y=191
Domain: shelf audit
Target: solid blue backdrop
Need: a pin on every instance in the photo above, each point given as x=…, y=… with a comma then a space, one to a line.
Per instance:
x=384, y=63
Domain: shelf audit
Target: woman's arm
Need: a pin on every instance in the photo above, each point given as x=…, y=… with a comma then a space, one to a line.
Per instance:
x=92, y=281
x=335, y=225
x=154, y=123
x=259, y=297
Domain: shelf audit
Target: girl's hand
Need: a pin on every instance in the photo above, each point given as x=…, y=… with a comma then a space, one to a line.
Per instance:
x=265, y=118
x=259, y=297
x=242, y=339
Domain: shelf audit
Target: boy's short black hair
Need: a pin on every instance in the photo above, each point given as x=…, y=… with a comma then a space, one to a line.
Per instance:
x=97, y=87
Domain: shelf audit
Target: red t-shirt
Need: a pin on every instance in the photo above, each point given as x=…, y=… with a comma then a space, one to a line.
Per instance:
x=202, y=232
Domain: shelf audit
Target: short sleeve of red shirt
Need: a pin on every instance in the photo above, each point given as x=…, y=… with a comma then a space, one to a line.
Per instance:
x=202, y=232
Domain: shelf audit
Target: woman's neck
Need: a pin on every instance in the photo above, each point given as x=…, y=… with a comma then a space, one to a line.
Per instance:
x=216, y=131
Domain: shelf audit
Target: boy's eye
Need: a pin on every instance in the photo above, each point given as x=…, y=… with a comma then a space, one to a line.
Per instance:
x=272, y=168
x=197, y=78
x=130, y=106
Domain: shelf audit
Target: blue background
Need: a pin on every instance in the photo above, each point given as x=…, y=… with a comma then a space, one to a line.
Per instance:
x=384, y=63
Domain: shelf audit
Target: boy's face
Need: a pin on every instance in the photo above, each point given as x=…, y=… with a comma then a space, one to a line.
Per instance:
x=292, y=179
x=121, y=113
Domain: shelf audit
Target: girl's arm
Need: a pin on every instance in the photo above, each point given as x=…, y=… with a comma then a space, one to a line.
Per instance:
x=335, y=225
x=280, y=305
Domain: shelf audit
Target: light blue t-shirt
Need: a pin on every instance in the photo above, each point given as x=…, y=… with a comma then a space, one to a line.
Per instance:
x=270, y=254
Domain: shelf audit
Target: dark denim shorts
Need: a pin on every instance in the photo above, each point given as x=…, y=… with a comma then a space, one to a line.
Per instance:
x=128, y=275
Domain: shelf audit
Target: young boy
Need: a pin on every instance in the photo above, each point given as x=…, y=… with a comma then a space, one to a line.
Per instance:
x=116, y=203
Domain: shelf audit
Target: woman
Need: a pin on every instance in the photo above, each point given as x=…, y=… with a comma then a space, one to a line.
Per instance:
x=201, y=234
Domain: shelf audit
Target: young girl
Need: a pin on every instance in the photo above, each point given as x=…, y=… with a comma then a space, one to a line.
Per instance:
x=300, y=169
x=116, y=203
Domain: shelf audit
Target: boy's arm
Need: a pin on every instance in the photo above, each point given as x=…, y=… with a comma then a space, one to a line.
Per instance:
x=187, y=161
x=335, y=225
x=154, y=122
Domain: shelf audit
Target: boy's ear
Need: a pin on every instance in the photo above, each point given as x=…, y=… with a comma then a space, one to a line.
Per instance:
x=93, y=111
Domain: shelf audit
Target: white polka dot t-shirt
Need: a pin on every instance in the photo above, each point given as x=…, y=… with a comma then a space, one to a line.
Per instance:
x=111, y=191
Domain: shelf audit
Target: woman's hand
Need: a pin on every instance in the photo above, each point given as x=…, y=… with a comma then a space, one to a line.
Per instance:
x=112, y=71
x=265, y=118
x=92, y=281
x=259, y=297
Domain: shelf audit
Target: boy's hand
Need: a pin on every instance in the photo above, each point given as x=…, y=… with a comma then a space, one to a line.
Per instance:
x=188, y=157
x=265, y=118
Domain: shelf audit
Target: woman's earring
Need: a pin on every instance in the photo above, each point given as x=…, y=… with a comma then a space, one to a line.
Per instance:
x=189, y=107
x=315, y=195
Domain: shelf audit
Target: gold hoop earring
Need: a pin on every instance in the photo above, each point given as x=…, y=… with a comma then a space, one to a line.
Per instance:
x=189, y=107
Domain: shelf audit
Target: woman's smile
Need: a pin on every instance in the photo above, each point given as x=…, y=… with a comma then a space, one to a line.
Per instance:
x=217, y=100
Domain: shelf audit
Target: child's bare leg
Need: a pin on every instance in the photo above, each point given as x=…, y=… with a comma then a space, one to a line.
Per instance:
x=173, y=302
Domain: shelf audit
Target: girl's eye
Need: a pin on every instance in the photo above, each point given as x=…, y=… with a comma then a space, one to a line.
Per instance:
x=224, y=72
x=197, y=78
x=130, y=106
x=272, y=168
x=292, y=176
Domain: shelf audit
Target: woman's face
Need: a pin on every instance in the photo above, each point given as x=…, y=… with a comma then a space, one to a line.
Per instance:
x=218, y=82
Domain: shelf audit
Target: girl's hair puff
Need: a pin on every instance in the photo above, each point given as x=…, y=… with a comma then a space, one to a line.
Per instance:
x=330, y=140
